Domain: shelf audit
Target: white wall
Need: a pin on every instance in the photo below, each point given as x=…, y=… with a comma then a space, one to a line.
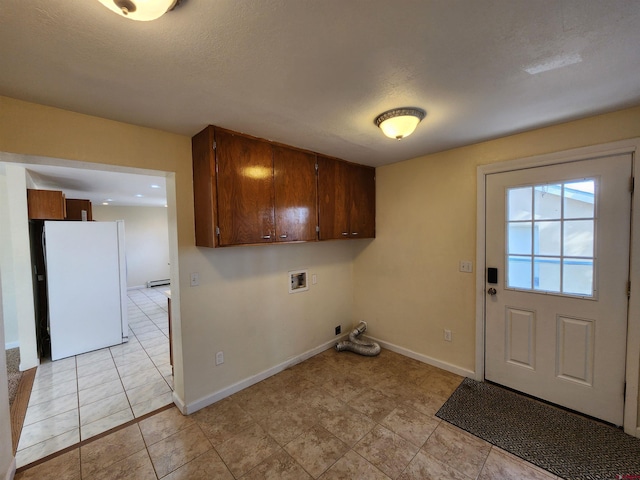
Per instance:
x=15, y=261
x=7, y=460
x=6, y=264
x=146, y=237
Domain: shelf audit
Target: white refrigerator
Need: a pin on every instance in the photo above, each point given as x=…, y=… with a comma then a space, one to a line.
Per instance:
x=86, y=286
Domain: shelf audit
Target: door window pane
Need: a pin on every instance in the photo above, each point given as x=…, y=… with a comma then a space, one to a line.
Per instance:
x=548, y=202
x=579, y=199
x=546, y=275
x=547, y=238
x=519, y=203
x=519, y=238
x=519, y=272
x=578, y=277
x=578, y=238
x=551, y=237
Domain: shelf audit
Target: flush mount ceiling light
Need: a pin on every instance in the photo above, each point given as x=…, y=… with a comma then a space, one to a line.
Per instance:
x=141, y=10
x=400, y=122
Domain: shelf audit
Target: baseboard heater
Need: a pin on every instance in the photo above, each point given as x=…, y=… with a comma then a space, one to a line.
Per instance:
x=158, y=283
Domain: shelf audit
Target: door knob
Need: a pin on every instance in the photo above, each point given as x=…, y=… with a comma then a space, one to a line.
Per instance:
x=492, y=291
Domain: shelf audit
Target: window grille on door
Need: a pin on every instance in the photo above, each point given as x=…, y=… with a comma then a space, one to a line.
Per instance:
x=550, y=232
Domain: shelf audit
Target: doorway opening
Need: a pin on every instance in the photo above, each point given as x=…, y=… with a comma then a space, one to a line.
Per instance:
x=140, y=372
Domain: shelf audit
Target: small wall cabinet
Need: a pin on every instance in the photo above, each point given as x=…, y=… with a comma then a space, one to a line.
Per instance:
x=251, y=191
x=46, y=205
x=76, y=206
x=347, y=199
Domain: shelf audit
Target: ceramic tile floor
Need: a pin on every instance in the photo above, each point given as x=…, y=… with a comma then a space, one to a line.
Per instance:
x=78, y=397
x=334, y=416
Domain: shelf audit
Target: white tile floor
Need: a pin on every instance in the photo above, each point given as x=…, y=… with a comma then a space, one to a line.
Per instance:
x=78, y=397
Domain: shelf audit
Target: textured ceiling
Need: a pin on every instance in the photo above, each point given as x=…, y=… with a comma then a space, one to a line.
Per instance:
x=315, y=73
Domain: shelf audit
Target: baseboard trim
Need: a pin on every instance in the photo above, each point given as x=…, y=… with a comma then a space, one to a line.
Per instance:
x=189, y=408
x=137, y=287
x=178, y=402
x=192, y=407
x=10, y=345
x=12, y=470
x=449, y=367
x=18, y=410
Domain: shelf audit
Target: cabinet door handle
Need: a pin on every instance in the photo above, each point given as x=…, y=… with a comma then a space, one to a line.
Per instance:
x=354, y=233
x=283, y=236
x=266, y=237
x=345, y=234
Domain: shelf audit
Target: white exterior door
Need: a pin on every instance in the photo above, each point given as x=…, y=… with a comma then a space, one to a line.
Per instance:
x=556, y=317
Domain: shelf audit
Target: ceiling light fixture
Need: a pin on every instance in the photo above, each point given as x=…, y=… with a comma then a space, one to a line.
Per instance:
x=141, y=10
x=399, y=122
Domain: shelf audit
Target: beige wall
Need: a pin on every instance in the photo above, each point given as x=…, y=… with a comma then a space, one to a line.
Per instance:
x=242, y=306
x=146, y=232
x=407, y=283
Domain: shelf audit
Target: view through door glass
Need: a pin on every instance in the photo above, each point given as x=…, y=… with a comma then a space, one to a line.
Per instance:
x=550, y=237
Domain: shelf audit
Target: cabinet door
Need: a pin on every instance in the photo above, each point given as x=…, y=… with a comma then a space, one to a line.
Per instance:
x=205, y=204
x=45, y=205
x=333, y=198
x=362, y=218
x=294, y=177
x=245, y=189
x=76, y=206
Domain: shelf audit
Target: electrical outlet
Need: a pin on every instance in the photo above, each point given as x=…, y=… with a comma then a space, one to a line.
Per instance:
x=338, y=329
x=314, y=279
x=447, y=335
x=219, y=358
x=195, y=279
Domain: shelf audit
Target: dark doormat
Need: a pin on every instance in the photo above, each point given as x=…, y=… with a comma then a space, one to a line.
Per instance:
x=564, y=443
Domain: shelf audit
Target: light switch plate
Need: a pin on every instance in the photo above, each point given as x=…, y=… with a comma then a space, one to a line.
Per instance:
x=466, y=266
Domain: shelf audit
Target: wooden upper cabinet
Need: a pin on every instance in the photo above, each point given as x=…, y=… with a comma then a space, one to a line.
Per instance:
x=333, y=198
x=362, y=214
x=347, y=196
x=294, y=181
x=204, y=187
x=76, y=206
x=249, y=190
x=245, y=189
x=46, y=205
